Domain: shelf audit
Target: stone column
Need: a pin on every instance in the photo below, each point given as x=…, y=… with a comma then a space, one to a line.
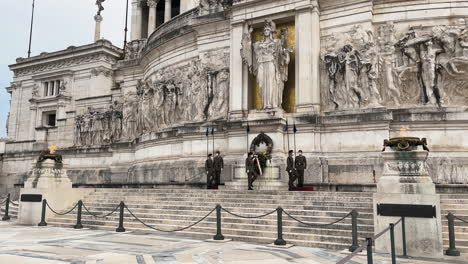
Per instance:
x=308, y=59
x=236, y=90
x=136, y=20
x=152, y=4
x=168, y=11
x=97, y=32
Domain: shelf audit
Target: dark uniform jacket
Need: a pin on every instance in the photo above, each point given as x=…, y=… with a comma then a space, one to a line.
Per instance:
x=218, y=163
x=289, y=164
x=209, y=166
x=301, y=163
x=249, y=165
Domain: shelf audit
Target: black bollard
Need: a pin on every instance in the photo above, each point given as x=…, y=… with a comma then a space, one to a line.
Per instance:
x=369, y=251
x=403, y=236
x=355, y=245
x=78, y=216
x=280, y=241
x=6, y=217
x=452, y=250
x=219, y=235
x=392, y=243
x=43, y=222
x=121, y=218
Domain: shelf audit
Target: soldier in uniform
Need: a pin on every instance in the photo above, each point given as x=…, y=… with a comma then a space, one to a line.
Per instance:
x=301, y=165
x=291, y=170
x=250, y=170
x=209, y=168
x=218, y=167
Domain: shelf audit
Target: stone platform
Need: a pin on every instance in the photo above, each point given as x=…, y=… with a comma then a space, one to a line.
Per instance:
x=52, y=245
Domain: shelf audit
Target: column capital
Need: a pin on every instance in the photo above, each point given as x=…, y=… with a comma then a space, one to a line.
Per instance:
x=152, y=3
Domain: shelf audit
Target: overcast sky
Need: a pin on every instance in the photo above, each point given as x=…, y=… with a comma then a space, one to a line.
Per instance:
x=57, y=25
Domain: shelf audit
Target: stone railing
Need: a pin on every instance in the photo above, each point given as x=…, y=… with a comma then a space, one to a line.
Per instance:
x=171, y=27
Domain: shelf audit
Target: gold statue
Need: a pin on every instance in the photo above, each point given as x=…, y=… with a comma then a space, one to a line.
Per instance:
x=53, y=149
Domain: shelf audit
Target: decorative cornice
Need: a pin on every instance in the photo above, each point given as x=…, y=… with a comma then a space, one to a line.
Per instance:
x=102, y=50
x=102, y=70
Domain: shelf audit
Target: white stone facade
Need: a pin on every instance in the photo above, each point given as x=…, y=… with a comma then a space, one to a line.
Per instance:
x=358, y=81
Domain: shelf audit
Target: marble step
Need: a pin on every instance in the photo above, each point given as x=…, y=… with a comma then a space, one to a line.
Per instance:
x=251, y=200
x=187, y=220
x=250, y=239
x=257, y=226
x=227, y=231
x=102, y=209
x=228, y=192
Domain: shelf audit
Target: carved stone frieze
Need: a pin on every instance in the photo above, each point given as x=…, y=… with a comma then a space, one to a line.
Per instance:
x=102, y=71
x=99, y=127
x=192, y=92
x=214, y=6
x=426, y=65
x=62, y=64
x=134, y=48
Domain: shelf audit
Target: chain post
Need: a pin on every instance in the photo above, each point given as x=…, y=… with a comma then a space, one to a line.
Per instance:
x=121, y=219
x=219, y=235
x=403, y=236
x=354, y=216
x=369, y=251
x=452, y=250
x=78, y=216
x=392, y=243
x=43, y=213
x=280, y=241
x=6, y=217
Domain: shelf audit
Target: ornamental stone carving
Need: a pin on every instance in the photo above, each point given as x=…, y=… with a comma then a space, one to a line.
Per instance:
x=214, y=6
x=134, y=48
x=196, y=91
x=99, y=127
x=268, y=60
x=426, y=65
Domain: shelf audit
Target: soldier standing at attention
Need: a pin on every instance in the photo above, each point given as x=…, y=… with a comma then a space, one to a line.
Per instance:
x=209, y=168
x=301, y=165
x=290, y=169
x=249, y=169
x=218, y=167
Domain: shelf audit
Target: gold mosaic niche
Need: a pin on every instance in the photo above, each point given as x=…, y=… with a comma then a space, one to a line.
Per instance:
x=289, y=94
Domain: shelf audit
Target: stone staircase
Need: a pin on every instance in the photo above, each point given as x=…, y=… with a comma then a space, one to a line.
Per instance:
x=457, y=204
x=176, y=208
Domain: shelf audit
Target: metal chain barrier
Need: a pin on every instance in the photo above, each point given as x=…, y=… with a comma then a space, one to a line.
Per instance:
x=101, y=216
x=69, y=211
x=464, y=221
x=168, y=231
x=317, y=225
x=3, y=201
x=368, y=244
x=15, y=204
x=248, y=217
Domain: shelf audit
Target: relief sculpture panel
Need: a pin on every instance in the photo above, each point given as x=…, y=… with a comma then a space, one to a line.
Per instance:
x=424, y=65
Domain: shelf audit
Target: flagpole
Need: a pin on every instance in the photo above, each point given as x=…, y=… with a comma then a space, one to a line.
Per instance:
x=247, y=138
x=125, y=30
x=31, y=29
x=212, y=134
x=287, y=133
x=294, y=130
x=207, y=142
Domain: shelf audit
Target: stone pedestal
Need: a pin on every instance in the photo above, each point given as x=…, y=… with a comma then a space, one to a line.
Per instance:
x=48, y=179
x=270, y=180
x=405, y=180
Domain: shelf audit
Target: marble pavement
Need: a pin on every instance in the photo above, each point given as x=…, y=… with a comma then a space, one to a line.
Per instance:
x=51, y=245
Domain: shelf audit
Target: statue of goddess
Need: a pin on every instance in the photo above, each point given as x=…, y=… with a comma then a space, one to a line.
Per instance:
x=268, y=60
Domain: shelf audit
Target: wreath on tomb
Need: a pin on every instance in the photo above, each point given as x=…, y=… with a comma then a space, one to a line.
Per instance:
x=265, y=155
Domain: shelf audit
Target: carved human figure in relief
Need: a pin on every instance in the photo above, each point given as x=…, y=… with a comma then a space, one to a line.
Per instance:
x=268, y=60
